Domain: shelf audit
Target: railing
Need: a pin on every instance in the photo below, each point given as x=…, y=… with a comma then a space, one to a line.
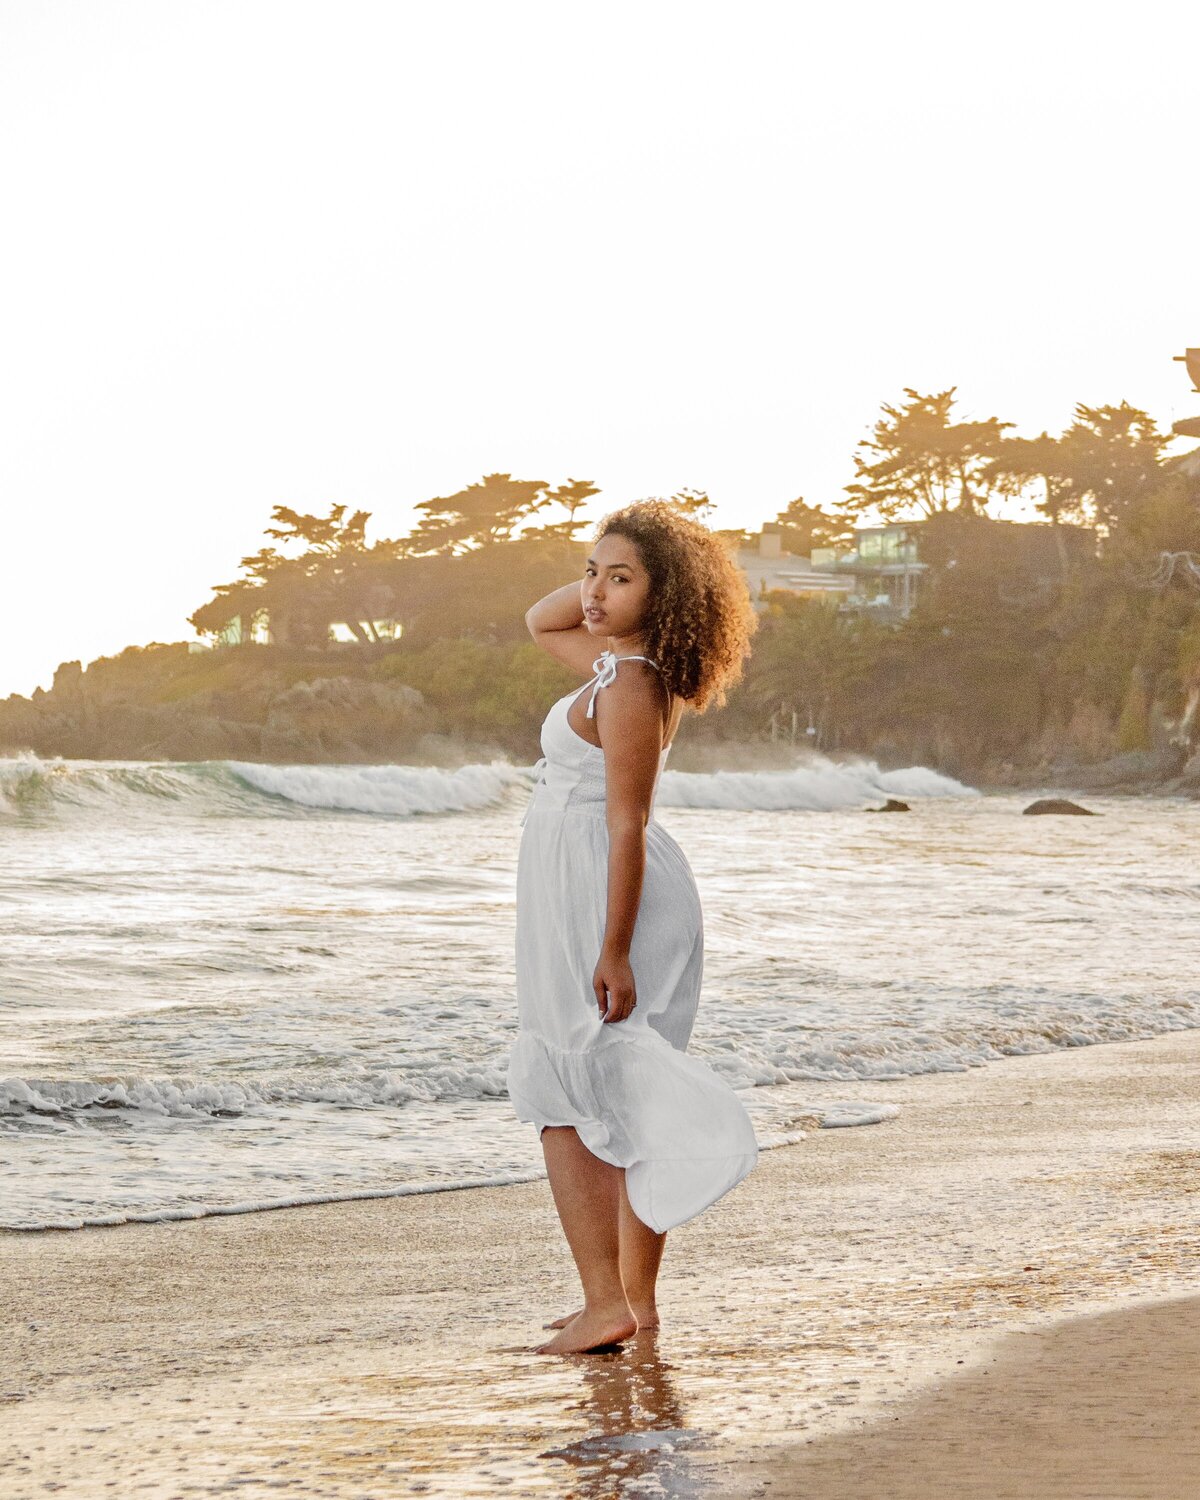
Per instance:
x=854, y=562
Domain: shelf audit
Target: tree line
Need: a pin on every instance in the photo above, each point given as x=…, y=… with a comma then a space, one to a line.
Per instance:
x=1085, y=644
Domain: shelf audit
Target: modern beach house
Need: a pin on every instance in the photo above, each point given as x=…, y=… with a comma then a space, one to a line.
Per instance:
x=769, y=568
x=879, y=573
x=884, y=572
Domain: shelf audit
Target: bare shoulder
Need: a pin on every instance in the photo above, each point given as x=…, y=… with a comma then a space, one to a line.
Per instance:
x=636, y=700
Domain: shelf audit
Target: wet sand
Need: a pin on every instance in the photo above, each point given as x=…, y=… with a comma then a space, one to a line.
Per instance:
x=1096, y=1408
x=381, y=1348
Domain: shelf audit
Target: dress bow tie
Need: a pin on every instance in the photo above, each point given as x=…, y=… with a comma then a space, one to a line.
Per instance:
x=605, y=668
x=539, y=775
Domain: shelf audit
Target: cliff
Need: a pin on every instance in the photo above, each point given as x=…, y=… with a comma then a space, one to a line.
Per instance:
x=164, y=703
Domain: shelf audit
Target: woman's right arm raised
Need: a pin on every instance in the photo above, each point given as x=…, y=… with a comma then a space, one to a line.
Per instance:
x=556, y=624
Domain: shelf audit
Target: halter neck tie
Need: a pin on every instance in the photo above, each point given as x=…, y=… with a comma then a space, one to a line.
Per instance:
x=605, y=668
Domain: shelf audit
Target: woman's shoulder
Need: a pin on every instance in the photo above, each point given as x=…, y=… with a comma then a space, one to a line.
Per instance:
x=633, y=692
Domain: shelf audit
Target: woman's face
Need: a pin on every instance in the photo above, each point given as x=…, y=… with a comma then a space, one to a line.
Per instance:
x=616, y=587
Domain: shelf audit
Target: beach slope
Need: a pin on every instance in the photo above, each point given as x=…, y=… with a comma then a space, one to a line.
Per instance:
x=843, y=1302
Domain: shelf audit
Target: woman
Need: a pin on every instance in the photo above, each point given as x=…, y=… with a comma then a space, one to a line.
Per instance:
x=637, y=1136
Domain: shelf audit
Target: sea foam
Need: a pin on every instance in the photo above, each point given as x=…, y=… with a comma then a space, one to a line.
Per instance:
x=393, y=790
x=819, y=785
x=32, y=785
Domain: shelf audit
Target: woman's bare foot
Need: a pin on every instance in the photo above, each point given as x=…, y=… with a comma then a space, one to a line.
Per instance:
x=593, y=1328
x=647, y=1317
x=562, y=1322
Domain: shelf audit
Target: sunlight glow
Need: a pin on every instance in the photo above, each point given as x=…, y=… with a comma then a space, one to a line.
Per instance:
x=267, y=252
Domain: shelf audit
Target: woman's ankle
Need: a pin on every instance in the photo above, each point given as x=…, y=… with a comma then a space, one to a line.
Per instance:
x=606, y=1300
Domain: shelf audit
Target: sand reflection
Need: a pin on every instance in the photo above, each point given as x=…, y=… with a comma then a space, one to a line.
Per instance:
x=637, y=1427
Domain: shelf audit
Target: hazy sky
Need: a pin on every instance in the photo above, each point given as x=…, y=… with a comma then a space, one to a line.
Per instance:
x=261, y=253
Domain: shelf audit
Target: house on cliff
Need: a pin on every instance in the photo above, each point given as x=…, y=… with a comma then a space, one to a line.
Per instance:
x=888, y=567
x=879, y=573
x=768, y=567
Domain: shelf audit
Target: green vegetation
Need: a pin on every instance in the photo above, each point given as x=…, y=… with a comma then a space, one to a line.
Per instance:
x=1029, y=646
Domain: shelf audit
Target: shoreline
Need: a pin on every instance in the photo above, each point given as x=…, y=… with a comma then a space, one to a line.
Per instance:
x=821, y=1096
x=385, y=1342
x=1103, y=778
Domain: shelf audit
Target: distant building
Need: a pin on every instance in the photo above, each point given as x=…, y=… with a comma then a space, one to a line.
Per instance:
x=883, y=574
x=767, y=567
x=884, y=566
x=880, y=573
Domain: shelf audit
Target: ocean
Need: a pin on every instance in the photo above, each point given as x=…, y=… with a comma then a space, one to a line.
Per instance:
x=227, y=987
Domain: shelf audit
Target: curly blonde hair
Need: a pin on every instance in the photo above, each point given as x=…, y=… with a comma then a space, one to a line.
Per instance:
x=699, y=619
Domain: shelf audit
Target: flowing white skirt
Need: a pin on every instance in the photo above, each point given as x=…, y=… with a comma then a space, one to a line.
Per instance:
x=629, y=1088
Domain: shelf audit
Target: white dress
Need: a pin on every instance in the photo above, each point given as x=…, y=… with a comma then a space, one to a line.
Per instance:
x=635, y=1097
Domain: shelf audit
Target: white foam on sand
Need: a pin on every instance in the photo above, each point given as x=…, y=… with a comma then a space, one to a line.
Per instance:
x=839, y=1115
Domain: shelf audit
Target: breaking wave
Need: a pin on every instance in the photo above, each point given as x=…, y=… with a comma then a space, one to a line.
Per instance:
x=818, y=786
x=30, y=785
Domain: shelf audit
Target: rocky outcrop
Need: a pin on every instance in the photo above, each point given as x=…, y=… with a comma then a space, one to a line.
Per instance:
x=323, y=719
x=341, y=718
x=1059, y=805
x=1187, y=783
x=1135, y=771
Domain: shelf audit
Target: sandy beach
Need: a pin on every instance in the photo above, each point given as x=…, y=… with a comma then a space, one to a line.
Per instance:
x=898, y=1308
x=1102, y=1406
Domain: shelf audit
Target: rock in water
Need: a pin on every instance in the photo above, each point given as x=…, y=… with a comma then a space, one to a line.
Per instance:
x=1060, y=805
x=891, y=805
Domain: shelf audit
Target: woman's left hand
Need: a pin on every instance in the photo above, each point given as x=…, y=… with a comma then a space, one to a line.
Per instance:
x=616, y=992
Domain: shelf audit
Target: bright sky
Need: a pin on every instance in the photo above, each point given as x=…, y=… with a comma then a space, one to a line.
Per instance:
x=300, y=252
